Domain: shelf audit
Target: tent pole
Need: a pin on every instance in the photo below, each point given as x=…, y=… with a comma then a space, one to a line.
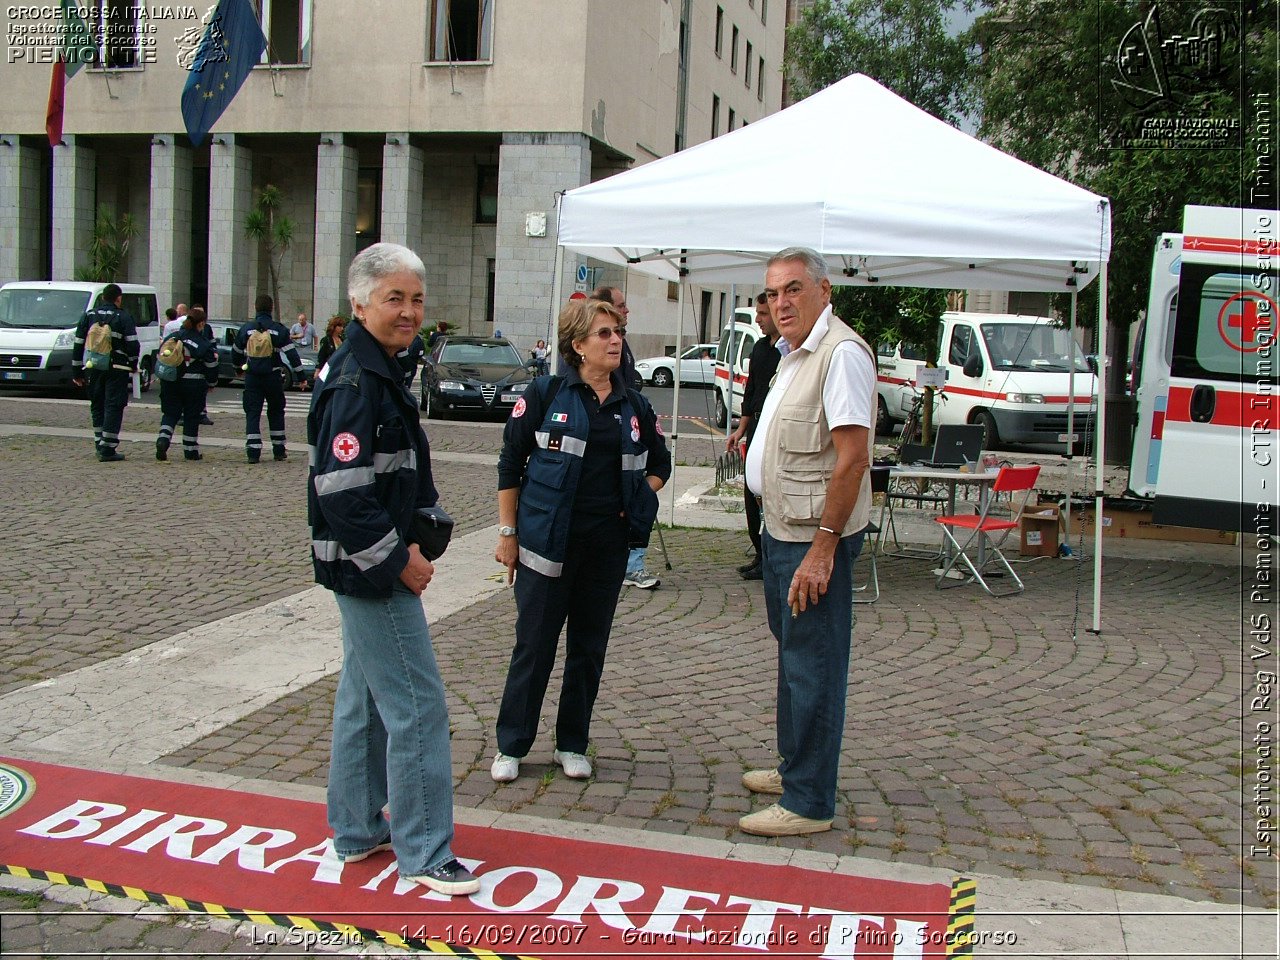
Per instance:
x=675, y=401
x=557, y=291
x=730, y=365
x=1100, y=438
x=1071, y=412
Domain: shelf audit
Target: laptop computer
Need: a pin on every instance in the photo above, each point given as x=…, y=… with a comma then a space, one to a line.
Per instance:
x=956, y=444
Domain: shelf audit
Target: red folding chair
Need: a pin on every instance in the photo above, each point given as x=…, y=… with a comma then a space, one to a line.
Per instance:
x=982, y=526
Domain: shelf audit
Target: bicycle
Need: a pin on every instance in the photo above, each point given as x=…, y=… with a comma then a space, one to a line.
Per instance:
x=913, y=425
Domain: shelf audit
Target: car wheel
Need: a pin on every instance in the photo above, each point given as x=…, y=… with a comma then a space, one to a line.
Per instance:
x=884, y=422
x=662, y=377
x=990, y=435
x=286, y=377
x=721, y=412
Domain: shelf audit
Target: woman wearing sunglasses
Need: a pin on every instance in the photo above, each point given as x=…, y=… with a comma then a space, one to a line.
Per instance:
x=582, y=460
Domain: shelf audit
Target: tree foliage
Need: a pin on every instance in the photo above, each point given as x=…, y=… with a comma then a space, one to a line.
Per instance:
x=907, y=46
x=109, y=246
x=1051, y=93
x=272, y=231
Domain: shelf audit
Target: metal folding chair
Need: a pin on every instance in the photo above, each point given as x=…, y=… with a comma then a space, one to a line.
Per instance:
x=871, y=541
x=981, y=528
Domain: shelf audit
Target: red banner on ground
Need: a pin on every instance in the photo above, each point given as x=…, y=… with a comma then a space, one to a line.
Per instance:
x=271, y=860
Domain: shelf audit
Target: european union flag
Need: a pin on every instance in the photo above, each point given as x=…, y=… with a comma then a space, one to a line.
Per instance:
x=232, y=44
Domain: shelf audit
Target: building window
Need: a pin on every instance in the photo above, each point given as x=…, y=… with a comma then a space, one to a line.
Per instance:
x=715, y=116
x=114, y=27
x=733, y=117
x=287, y=26
x=746, y=67
x=719, y=30
x=461, y=30
x=760, y=81
x=487, y=194
x=764, y=8
x=733, y=51
x=673, y=291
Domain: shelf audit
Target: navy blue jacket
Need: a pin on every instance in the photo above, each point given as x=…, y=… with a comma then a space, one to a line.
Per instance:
x=285, y=350
x=370, y=469
x=543, y=448
x=124, y=338
x=202, y=355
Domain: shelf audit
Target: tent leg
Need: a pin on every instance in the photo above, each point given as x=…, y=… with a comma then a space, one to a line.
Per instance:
x=1100, y=439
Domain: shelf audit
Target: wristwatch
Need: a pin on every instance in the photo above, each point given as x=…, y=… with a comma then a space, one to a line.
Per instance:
x=506, y=531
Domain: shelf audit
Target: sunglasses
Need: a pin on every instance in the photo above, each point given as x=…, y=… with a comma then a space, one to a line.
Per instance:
x=607, y=333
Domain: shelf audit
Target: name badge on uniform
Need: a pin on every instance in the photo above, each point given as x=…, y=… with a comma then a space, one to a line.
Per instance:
x=559, y=418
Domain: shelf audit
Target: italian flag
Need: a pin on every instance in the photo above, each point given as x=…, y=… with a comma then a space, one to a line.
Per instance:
x=74, y=51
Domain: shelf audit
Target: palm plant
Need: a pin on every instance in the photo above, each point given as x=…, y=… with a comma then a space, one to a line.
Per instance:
x=265, y=224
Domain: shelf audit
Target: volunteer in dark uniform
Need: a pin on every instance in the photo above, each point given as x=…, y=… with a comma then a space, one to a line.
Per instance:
x=582, y=460
x=107, y=373
x=184, y=397
x=262, y=380
x=761, y=367
x=371, y=471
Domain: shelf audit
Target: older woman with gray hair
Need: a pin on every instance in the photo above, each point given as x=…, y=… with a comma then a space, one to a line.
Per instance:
x=371, y=471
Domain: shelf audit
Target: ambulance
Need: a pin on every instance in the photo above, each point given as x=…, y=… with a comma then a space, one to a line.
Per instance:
x=1205, y=440
x=733, y=361
x=1013, y=375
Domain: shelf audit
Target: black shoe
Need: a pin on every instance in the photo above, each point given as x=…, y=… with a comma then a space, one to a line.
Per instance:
x=279, y=455
x=253, y=459
x=206, y=420
x=753, y=573
x=110, y=456
x=192, y=455
x=162, y=450
x=755, y=562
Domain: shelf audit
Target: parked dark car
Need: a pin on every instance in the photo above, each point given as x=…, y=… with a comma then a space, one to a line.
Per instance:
x=224, y=332
x=481, y=374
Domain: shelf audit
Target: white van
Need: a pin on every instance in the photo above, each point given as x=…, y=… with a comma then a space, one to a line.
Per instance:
x=38, y=321
x=733, y=361
x=1205, y=443
x=1011, y=374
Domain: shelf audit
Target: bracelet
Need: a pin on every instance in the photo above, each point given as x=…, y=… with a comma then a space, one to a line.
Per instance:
x=828, y=530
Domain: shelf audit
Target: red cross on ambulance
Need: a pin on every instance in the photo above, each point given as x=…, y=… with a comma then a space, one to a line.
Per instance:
x=1247, y=321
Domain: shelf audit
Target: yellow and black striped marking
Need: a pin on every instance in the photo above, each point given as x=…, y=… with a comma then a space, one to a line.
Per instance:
x=349, y=931
x=964, y=897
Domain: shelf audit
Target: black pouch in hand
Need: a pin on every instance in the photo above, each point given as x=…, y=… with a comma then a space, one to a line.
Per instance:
x=432, y=528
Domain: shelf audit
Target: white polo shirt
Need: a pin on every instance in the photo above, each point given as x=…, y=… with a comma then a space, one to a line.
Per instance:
x=848, y=396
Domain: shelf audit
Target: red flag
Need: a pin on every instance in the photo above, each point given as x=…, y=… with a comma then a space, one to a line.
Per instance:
x=57, y=98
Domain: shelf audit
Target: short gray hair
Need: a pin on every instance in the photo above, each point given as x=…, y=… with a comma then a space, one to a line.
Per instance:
x=375, y=262
x=814, y=263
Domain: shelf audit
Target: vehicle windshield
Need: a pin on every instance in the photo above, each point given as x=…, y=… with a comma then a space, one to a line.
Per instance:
x=501, y=354
x=1025, y=346
x=42, y=309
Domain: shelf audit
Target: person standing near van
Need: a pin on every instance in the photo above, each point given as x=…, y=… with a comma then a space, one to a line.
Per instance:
x=761, y=366
x=259, y=348
x=187, y=366
x=105, y=356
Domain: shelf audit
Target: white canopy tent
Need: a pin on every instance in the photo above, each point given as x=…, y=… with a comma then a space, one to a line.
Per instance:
x=886, y=192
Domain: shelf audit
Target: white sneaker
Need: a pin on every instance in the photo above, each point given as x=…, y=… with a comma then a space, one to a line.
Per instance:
x=641, y=578
x=575, y=765
x=504, y=769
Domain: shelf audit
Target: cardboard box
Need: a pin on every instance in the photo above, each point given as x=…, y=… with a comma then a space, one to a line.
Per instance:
x=1038, y=530
x=1125, y=522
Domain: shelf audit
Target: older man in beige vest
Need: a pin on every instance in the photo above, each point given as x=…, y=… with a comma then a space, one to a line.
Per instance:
x=813, y=472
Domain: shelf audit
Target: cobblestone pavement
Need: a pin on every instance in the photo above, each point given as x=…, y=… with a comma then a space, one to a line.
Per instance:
x=981, y=735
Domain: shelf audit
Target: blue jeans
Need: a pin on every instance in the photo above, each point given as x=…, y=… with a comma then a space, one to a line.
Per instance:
x=390, y=735
x=813, y=673
x=635, y=559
